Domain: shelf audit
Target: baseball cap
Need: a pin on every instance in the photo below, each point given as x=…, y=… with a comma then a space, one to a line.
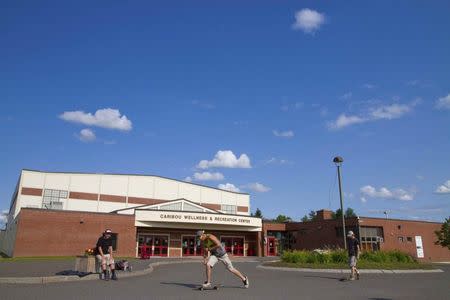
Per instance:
x=200, y=232
x=350, y=234
x=108, y=231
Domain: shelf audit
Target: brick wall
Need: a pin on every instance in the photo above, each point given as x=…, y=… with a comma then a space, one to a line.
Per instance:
x=68, y=233
x=393, y=229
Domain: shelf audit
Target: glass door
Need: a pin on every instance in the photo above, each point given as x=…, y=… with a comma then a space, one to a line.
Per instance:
x=192, y=246
x=189, y=246
x=153, y=245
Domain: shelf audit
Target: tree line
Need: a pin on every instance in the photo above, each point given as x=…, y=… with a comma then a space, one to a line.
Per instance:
x=311, y=216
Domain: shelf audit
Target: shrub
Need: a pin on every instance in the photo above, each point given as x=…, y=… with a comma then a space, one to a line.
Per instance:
x=340, y=256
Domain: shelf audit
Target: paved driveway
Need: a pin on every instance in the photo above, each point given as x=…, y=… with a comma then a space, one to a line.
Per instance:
x=180, y=281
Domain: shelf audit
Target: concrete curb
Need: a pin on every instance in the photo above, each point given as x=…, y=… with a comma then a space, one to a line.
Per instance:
x=55, y=279
x=346, y=271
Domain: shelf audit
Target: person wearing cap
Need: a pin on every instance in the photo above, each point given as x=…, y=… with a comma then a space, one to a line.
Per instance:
x=353, y=254
x=213, y=253
x=105, y=254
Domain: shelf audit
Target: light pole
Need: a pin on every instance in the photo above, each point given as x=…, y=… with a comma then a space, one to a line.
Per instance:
x=338, y=161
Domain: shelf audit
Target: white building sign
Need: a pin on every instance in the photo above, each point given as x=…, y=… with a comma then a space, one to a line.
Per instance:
x=196, y=218
x=419, y=247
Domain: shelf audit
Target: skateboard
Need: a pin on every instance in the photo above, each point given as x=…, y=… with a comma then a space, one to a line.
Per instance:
x=212, y=287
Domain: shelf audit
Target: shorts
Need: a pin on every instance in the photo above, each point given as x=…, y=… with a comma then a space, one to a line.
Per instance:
x=352, y=261
x=108, y=260
x=224, y=259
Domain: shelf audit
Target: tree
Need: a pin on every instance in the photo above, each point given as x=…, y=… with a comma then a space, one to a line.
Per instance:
x=283, y=218
x=312, y=215
x=305, y=218
x=443, y=235
x=349, y=213
x=258, y=213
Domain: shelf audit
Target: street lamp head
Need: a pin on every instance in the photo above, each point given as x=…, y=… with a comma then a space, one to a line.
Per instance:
x=338, y=160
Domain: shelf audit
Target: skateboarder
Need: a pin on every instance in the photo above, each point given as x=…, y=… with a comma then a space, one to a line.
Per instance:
x=105, y=254
x=213, y=253
x=353, y=254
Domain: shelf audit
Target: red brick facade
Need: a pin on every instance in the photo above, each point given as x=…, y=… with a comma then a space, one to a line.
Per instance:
x=67, y=233
x=397, y=234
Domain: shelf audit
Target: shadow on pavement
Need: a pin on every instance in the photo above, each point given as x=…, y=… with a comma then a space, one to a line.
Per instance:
x=325, y=277
x=187, y=285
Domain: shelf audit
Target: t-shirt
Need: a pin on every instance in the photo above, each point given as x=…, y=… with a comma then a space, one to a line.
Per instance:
x=104, y=244
x=352, y=245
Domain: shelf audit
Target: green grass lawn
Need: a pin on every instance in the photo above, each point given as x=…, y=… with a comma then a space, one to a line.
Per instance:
x=361, y=265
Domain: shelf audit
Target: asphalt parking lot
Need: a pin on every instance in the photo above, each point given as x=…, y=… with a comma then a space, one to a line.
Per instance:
x=180, y=281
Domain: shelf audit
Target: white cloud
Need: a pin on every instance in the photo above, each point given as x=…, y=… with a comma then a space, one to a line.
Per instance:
x=344, y=121
x=284, y=134
x=277, y=161
x=444, y=188
x=3, y=217
x=229, y=187
x=308, y=20
x=385, y=193
x=188, y=179
x=105, y=118
x=443, y=103
x=390, y=112
x=295, y=106
x=226, y=159
x=381, y=112
x=413, y=82
x=258, y=187
x=87, y=135
x=207, y=176
x=203, y=104
x=347, y=96
x=368, y=86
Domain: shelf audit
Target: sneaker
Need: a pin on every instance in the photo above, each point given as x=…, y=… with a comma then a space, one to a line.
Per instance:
x=246, y=282
x=206, y=284
x=114, y=276
x=351, y=278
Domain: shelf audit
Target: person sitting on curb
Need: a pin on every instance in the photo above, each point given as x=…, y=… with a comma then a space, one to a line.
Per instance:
x=213, y=253
x=353, y=254
x=105, y=254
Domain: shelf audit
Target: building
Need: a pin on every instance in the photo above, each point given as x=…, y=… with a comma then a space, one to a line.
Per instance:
x=416, y=238
x=62, y=214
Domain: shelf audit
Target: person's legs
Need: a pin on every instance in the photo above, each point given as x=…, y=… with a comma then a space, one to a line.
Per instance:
x=112, y=267
x=227, y=262
x=212, y=260
x=352, y=264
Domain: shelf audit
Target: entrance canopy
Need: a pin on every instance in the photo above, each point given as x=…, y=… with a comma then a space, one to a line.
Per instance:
x=182, y=219
x=184, y=214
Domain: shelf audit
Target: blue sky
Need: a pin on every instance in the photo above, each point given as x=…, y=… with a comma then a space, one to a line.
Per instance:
x=266, y=94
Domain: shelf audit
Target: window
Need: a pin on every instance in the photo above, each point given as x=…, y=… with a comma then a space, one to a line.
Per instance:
x=409, y=239
x=52, y=199
x=229, y=209
x=172, y=206
x=371, y=238
x=400, y=239
x=190, y=207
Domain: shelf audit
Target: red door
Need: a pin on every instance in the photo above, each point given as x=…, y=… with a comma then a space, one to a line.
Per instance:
x=233, y=245
x=192, y=246
x=271, y=247
x=153, y=245
x=238, y=246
